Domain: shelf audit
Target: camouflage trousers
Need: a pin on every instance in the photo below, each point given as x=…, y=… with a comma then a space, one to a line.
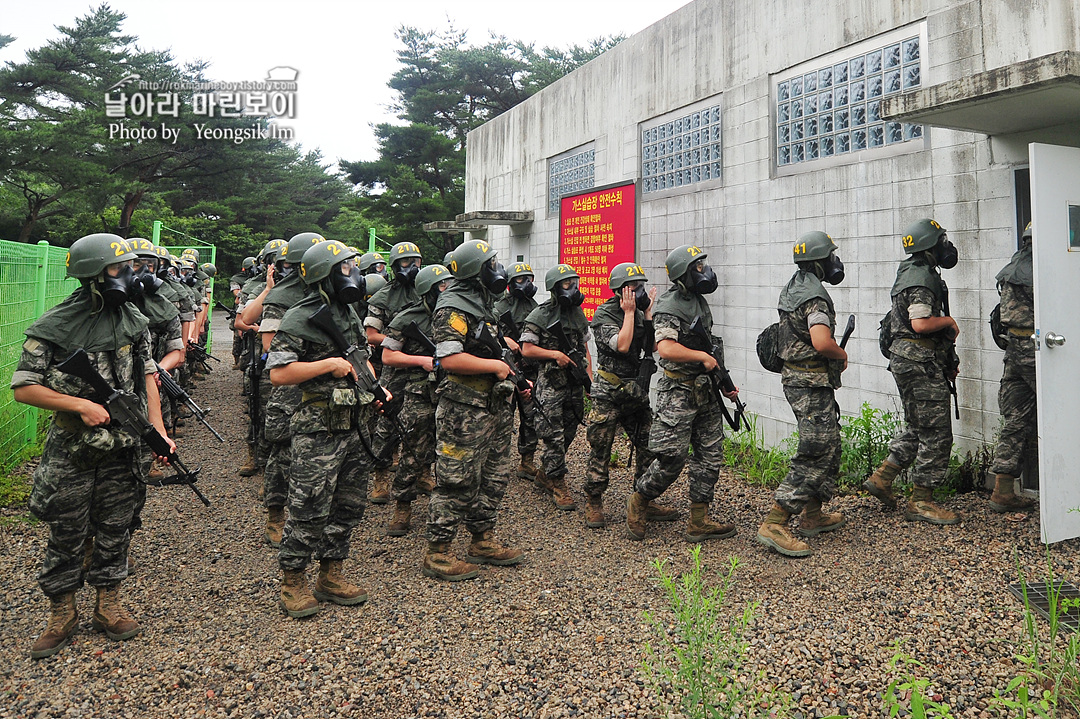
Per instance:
x=277, y=438
x=686, y=414
x=472, y=455
x=327, y=494
x=926, y=440
x=386, y=442
x=238, y=344
x=1019, y=432
x=527, y=440
x=418, y=419
x=614, y=407
x=817, y=461
x=563, y=408
x=78, y=503
x=262, y=447
x=276, y=475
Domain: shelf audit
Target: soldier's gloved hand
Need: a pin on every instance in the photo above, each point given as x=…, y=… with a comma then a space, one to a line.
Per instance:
x=93, y=414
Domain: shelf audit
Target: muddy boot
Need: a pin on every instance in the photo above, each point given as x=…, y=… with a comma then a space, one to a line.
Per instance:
x=880, y=482
x=251, y=466
x=594, y=512
x=699, y=528
x=275, y=526
x=332, y=586
x=111, y=617
x=296, y=598
x=561, y=494
x=774, y=534
x=657, y=513
x=541, y=481
x=485, y=549
x=380, y=487
x=635, y=516
x=426, y=483
x=399, y=525
x=63, y=618
x=527, y=468
x=1004, y=499
x=440, y=564
x=813, y=521
x=921, y=508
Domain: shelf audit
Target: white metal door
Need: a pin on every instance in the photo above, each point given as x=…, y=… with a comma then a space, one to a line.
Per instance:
x=1055, y=226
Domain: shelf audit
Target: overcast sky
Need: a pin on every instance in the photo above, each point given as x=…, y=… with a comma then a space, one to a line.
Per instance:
x=344, y=51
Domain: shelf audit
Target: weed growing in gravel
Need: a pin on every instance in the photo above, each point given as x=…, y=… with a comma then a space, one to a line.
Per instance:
x=698, y=661
x=746, y=453
x=906, y=684
x=864, y=444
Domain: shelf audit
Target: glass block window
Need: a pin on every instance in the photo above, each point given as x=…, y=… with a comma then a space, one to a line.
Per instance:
x=836, y=109
x=681, y=151
x=570, y=174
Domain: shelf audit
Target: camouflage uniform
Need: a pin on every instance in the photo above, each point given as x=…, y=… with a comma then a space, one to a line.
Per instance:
x=686, y=412
x=383, y=306
x=329, y=474
x=1016, y=397
x=562, y=401
x=236, y=282
x=473, y=424
x=88, y=481
x=519, y=308
x=261, y=449
x=617, y=399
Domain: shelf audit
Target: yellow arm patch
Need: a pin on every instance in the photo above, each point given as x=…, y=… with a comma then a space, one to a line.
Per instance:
x=459, y=324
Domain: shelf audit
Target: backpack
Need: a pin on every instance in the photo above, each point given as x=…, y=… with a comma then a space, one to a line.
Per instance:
x=885, y=335
x=768, y=348
x=997, y=330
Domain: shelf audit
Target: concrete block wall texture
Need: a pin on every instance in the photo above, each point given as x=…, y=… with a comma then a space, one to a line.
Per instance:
x=729, y=51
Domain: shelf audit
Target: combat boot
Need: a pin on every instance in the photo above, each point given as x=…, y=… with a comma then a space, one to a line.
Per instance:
x=251, y=466
x=237, y=363
x=880, y=482
x=636, y=506
x=527, y=468
x=658, y=513
x=155, y=472
x=332, y=586
x=561, y=494
x=426, y=483
x=440, y=564
x=699, y=528
x=296, y=598
x=813, y=521
x=399, y=525
x=88, y=554
x=380, y=487
x=111, y=617
x=774, y=534
x=275, y=526
x=541, y=481
x=594, y=512
x=63, y=618
x=1004, y=498
x=921, y=509
x=485, y=549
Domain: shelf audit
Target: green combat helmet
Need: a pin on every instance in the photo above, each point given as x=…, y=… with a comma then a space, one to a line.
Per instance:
x=922, y=235
x=143, y=247
x=373, y=283
x=90, y=255
x=469, y=257
x=320, y=258
x=1026, y=237
x=208, y=268
x=269, y=253
x=681, y=265
x=553, y=279
x=557, y=274
x=298, y=245
x=249, y=264
x=624, y=273
x=815, y=245
x=430, y=276
x=521, y=269
x=403, y=251
x=191, y=252
x=448, y=258
x=368, y=260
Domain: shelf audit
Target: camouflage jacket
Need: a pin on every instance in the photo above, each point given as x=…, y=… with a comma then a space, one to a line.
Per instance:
x=605, y=326
x=1018, y=312
x=909, y=344
x=804, y=366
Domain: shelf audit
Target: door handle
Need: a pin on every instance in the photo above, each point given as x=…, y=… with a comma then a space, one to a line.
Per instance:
x=1054, y=340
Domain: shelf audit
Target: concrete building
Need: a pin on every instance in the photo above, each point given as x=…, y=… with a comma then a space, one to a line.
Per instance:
x=745, y=124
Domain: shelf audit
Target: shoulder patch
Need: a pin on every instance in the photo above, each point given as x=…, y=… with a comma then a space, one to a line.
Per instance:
x=31, y=345
x=459, y=324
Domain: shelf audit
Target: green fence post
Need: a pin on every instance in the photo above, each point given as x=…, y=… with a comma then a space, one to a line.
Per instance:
x=371, y=239
x=156, y=237
x=32, y=413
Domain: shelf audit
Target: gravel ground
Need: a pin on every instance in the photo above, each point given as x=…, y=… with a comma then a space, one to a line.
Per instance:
x=560, y=635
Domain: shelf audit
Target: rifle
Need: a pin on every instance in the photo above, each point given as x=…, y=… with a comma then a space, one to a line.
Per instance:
x=579, y=376
x=124, y=409
x=499, y=350
x=254, y=372
x=199, y=354
x=414, y=333
x=507, y=320
x=178, y=393
x=231, y=313
x=952, y=361
x=835, y=367
x=719, y=378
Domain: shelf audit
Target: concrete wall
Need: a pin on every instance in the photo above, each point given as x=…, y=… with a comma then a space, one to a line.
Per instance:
x=731, y=49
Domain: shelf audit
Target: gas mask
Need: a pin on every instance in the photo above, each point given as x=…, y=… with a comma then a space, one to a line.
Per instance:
x=407, y=275
x=349, y=288
x=641, y=298
x=189, y=278
x=149, y=281
x=115, y=291
x=522, y=287
x=945, y=254
x=493, y=277
x=570, y=297
x=281, y=272
x=379, y=269
x=703, y=282
x=832, y=269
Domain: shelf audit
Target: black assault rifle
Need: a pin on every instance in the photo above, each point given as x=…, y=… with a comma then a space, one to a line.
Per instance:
x=699, y=339
x=124, y=409
x=499, y=350
x=199, y=354
x=178, y=393
x=952, y=360
x=835, y=367
x=254, y=372
x=231, y=313
x=579, y=375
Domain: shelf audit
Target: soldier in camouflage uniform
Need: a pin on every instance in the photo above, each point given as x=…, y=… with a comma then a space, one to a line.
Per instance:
x=474, y=419
x=812, y=365
x=86, y=482
x=922, y=352
x=373, y=268
x=623, y=329
x=383, y=306
x=329, y=472
x=560, y=397
x=1016, y=397
x=417, y=365
x=518, y=302
x=236, y=283
x=687, y=412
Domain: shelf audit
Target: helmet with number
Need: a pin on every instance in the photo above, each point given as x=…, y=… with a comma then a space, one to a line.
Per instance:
x=368, y=260
x=208, y=268
x=682, y=269
x=520, y=269
x=298, y=245
x=143, y=247
x=1026, y=236
x=814, y=245
x=90, y=255
x=469, y=257
x=403, y=251
x=372, y=284
x=557, y=274
x=430, y=276
x=269, y=252
x=624, y=273
x=248, y=264
x=553, y=279
x=191, y=252
x=679, y=260
x=922, y=235
x=163, y=255
x=320, y=258
x=405, y=275
x=448, y=258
